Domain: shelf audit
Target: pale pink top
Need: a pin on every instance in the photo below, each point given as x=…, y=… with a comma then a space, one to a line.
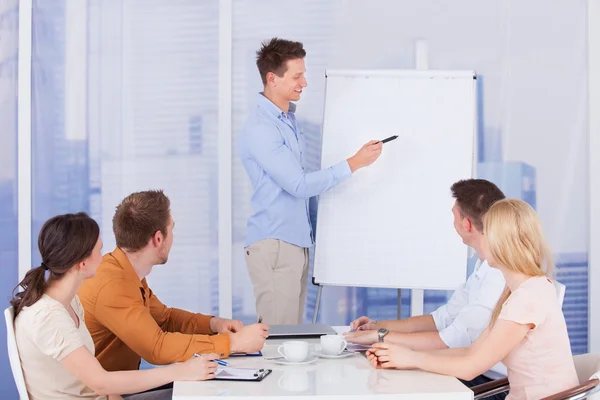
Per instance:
x=542, y=364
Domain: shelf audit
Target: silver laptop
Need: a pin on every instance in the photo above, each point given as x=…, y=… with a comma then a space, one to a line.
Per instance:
x=300, y=331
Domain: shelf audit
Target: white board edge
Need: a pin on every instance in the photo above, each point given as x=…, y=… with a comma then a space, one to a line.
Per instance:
x=411, y=73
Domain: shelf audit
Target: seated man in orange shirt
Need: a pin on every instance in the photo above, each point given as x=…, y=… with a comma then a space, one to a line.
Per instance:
x=127, y=321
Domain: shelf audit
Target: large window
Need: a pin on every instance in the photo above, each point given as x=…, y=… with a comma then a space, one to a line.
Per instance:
x=125, y=99
x=9, y=22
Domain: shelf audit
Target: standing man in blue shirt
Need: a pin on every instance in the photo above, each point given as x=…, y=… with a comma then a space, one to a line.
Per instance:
x=273, y=152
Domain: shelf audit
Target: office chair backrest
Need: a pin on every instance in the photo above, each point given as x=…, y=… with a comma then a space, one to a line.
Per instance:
x=13, y=354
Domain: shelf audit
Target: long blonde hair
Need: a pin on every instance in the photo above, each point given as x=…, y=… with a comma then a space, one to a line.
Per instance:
x=516, y=241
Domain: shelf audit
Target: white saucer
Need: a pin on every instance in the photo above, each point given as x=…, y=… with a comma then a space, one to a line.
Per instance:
x=309, y=360
x=343, y=354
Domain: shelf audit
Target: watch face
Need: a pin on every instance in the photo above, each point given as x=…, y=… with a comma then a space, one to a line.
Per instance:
x=381, y=333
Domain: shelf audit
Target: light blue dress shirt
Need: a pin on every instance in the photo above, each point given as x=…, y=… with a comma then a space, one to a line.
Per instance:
x=273, y=152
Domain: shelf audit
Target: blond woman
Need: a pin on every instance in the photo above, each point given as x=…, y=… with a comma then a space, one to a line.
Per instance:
x=527, y=331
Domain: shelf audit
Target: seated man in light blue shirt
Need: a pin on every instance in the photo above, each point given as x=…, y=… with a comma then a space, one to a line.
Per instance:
x=273, y=152
x=459, y=322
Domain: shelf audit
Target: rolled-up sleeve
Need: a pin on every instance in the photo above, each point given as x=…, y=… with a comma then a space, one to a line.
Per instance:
x=268, y=149
x=441, y=318
x=445, y=315
x=467, y=326
x=463, y=320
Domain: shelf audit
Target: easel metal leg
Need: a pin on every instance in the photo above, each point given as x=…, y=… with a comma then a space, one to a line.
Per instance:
x=399, y=304
x=316, y=313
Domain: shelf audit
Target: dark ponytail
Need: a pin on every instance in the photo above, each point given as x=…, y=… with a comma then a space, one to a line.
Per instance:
x=64, y=241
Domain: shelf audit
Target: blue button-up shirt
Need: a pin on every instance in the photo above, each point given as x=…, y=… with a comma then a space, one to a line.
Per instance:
x=273, y=152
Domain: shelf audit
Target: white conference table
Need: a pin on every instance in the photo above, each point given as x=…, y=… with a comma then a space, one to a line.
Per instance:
x=329, y=379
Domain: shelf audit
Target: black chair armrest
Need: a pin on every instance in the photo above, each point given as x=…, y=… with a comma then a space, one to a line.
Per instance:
x=578, y=392
x=490, y=388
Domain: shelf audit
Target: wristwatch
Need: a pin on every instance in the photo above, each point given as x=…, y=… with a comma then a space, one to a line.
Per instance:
x=381, y=334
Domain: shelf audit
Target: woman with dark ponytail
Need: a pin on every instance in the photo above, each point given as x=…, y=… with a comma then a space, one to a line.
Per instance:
x=55, y=347
x=58, y=255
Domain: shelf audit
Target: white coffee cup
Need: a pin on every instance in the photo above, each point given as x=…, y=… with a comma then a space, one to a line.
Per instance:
x=332, y=345
x=294, y=351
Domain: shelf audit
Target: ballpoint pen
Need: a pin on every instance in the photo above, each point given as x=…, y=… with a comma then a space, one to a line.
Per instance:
x=220, y=362
x=370, y=322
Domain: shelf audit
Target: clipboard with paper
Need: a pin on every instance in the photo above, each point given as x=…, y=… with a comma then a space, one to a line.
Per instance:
x=241, y=374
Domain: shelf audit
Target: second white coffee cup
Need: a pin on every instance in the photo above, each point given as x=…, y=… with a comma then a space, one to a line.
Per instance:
x=294, y=351
x=332, y=344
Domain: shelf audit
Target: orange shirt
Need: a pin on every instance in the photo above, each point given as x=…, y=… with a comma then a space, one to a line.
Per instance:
x=128, y=322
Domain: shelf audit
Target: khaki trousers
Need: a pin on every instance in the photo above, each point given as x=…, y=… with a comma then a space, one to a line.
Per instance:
x=278, y=271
